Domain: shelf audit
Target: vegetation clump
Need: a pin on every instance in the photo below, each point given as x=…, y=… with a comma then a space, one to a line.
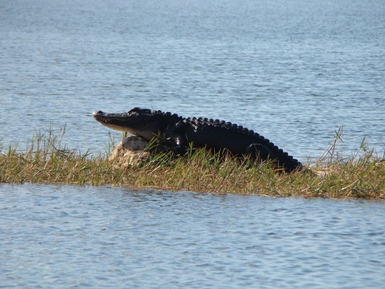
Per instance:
x=360, y=176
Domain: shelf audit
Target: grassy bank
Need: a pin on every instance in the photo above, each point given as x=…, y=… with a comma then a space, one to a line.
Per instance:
x=359, y=176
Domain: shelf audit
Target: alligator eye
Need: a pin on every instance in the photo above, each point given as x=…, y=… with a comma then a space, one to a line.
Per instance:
x=133, y=109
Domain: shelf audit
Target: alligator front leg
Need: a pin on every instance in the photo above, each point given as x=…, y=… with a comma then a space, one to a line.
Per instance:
x=180, y=144
x=174, y=144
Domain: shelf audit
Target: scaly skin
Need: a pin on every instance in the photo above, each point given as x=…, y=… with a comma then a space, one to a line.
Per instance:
x=176, y=133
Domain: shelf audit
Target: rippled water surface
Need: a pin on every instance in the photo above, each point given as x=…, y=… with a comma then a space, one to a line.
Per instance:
x=71, y=237
x=293, y=71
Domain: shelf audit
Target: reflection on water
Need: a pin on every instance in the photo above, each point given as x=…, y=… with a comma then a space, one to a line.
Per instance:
x=64, y=236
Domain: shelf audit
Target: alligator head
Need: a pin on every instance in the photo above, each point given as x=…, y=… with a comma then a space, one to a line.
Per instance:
x=144, y=123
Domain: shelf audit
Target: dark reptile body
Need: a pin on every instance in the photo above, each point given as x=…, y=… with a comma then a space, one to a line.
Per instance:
x=218, y=135
x=213, y=134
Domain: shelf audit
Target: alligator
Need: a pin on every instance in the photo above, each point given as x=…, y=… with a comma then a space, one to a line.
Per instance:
x=176, y=133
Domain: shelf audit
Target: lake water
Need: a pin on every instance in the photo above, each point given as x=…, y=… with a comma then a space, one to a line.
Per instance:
x=71, y=237
x=291, y=70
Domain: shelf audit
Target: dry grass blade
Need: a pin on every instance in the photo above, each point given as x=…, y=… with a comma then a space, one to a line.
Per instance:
x=330, y=153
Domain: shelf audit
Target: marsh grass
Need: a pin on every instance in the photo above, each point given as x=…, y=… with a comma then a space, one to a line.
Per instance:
x=333, y=175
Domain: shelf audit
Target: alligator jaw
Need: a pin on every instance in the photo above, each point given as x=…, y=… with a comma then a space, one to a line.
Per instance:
x=117, y=121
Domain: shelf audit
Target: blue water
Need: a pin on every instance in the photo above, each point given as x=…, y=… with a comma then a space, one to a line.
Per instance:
x=291, y=70
x=71, y=237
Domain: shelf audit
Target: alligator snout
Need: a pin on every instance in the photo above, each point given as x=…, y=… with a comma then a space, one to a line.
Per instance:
x=97, y=112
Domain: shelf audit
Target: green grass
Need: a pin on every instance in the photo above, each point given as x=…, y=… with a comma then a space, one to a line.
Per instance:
x=360, y=176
